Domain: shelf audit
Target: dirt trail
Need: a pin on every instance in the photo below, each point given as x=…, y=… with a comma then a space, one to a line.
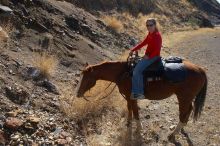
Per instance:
x=202, y=47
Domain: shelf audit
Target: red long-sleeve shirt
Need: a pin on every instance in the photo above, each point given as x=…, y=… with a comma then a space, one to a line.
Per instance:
x=154, y=42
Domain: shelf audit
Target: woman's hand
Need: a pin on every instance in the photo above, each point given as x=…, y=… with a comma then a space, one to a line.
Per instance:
x=146, y=57
x=131, y=53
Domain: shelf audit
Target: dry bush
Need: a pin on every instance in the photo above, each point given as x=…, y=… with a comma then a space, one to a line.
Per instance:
x=80, y=108
x=6, y=28
x=113, y=23
x=3, y=35
x=46, y=64
x=106, y=113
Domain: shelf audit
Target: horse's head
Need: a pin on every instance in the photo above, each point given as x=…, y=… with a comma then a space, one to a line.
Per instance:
x=88, y=80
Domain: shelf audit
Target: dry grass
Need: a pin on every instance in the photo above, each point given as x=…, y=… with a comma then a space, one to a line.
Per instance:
x=3, y=35
x=5, y=29
x=80, y=108
x=46, y=64
x=104, y=115
x=113, y=23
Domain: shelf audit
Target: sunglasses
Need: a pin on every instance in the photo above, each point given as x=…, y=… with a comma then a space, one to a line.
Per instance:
x=150, y=25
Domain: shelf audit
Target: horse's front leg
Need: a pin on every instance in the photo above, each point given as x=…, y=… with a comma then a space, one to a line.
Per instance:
x=135, y=110
x=129, y=106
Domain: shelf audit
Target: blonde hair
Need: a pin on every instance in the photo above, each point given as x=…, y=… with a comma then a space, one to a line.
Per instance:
x=154, y=21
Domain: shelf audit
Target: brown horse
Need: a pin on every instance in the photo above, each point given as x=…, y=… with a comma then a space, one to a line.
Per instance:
x=191, y=90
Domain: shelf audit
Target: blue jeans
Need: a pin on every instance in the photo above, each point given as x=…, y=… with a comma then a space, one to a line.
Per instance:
x=138, y=78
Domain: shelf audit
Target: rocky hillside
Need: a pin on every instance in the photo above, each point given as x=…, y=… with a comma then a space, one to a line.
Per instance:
x=210, y=7
x=49, y=43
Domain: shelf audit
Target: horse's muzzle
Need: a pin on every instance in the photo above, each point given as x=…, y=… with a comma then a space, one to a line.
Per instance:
x=78, y=94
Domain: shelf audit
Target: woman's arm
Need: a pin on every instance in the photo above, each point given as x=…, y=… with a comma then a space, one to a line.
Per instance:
x=139, y=46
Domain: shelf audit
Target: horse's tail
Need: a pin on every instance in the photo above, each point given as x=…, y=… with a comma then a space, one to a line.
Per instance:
x=200, y=99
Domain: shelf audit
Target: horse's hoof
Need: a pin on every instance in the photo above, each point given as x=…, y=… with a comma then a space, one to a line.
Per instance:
x=139, y=126
x=171, y=138
x=128, y=124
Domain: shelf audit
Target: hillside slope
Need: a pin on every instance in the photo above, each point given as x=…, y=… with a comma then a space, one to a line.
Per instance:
x=172, y=14
x=210, y=7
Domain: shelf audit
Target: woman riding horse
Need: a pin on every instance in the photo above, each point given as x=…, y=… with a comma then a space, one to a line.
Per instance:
x=152, y=53
x=191, y=92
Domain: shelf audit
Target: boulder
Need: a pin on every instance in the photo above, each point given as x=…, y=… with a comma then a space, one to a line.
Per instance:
x=49, y=86
x=5, y=11
x=31, y=73
x=13, y=123
x=72, y=22
x=61, y=141
x=17, y=94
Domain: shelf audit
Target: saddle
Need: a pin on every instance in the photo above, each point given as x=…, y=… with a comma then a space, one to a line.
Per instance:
x=171, y=69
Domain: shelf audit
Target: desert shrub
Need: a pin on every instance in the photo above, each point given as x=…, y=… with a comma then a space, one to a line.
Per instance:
x=113, y=23
x=3, y=34
x=46, y=64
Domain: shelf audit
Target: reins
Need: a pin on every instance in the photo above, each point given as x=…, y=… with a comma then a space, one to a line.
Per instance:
x=102, y=92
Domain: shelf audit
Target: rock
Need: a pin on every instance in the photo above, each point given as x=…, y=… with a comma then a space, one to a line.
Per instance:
x=61, y=141
x=11, y=114
x=69, y=139
x=2, y=118
x=172, y=127
x=133, y=42
x=33, y=119
x=16, y=49
x=13, y=123
x=70, y=47
x=147, y=116
x=49, y=86
x=29, y=127
x=51, y=119
x=5, y=11
x=72, y=22
x=1, y=124
x=2, y=138
x=17, y=94
x=46, y=42
x=34, y=24
x=64, y=134
x=66, y=63
x=15, y=137
x=31, y=73
x=41, y=133
x=86, y=28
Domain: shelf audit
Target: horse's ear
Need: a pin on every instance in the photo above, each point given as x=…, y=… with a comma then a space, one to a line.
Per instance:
x=86, y=64
x=91, y=69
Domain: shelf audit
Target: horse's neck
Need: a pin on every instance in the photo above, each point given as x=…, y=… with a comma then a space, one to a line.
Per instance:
x=110, y=71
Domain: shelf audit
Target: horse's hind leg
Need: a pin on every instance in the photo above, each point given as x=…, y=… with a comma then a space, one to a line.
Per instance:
x=185, y=109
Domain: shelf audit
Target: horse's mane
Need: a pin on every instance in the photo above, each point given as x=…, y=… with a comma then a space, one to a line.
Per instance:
x=90, y=67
